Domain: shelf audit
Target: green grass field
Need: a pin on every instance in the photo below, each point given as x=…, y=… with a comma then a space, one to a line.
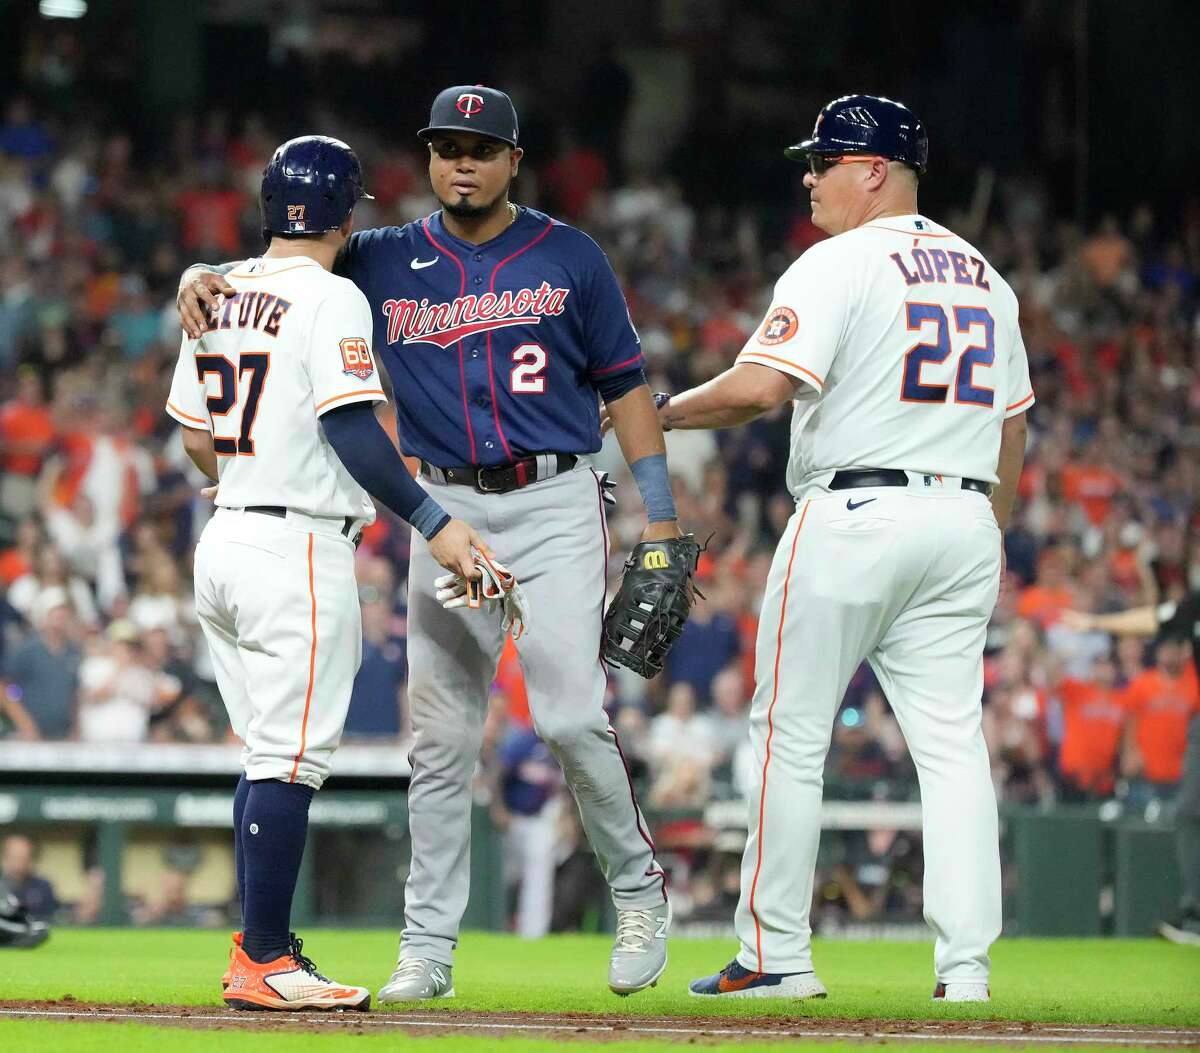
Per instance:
x=1075, y=982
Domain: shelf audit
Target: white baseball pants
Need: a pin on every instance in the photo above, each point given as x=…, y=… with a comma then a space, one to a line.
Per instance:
x=905, y=578
x=278, y=603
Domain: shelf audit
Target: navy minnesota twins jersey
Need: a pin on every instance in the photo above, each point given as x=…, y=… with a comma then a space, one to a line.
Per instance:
x=494, y=350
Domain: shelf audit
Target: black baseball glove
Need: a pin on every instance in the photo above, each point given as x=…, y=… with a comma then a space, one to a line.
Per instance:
x=650, y=609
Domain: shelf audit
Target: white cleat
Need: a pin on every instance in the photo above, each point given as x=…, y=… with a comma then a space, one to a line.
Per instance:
x=639, y=953
x=416, y=979
x=962, y=992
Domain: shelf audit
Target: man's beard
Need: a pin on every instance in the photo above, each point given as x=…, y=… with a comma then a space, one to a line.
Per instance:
x=464, y=210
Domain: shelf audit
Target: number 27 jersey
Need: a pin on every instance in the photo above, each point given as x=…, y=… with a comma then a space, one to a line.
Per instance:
x=292, y=343
x=910, y=342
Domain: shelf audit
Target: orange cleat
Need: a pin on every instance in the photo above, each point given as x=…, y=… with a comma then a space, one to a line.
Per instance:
x=290, y=982
x=237, y=942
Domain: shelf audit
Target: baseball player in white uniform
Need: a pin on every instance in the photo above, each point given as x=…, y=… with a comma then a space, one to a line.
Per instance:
x=899, y=346
x=276, y=401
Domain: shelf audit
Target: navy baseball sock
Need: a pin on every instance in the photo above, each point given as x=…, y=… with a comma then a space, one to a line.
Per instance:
x=274, y=829
x=239, y=860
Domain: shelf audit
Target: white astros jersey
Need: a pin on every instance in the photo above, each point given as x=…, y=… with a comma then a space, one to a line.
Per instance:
x=293, y=342
x=909, y=340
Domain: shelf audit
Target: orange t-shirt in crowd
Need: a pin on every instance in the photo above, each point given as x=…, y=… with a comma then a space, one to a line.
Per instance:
x=13, y=565
x=31, y=430
x=1092, y=721
x=1044, y=606
x=210, y=219
x=1162, y=706
x=1091, y=487
x=511, y=680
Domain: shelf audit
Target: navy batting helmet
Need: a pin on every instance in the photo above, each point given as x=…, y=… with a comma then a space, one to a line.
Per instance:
x=310, y=185
x=866, y=124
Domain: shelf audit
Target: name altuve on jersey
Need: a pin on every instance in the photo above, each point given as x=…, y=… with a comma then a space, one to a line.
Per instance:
x=255, y=310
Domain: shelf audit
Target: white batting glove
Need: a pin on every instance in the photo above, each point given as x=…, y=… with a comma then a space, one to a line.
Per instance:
x=451, y=591
x=516, y=611
x=496, y=585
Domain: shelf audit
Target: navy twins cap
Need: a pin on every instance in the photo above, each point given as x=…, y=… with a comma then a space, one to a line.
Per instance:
x=473, y=108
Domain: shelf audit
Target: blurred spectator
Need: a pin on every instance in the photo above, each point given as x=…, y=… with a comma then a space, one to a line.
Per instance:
x=50, y=571
x=15, y=721
x=89, y=546
x=682, y=752
x=17, y=560
x=26, y=434
x=43, y=670
x=117, y=692
x=530, y=794
x=708, y=643
x=729, y=718
x=879, y=875
x=170, y=906
x=1092, y=719
x=1050, y=594
x=17, y=860
x=376, y=701
x=180, y=713
x=1160, y=702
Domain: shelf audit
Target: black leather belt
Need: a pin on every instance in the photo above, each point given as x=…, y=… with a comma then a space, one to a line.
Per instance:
x=503, y=477
x=848, y=479
x=281, y=513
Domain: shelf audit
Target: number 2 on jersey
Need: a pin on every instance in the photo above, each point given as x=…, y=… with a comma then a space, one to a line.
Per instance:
x=527, y=377
x=220, y=404
x=913, y=389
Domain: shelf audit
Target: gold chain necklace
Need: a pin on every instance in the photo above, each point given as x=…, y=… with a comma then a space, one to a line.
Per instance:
x=512, y=213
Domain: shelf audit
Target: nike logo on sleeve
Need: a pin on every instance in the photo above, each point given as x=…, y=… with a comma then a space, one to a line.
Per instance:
x=852, y=505
x=417, y=265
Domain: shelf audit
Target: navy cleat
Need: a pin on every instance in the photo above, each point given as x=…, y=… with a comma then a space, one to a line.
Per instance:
x=735, y=981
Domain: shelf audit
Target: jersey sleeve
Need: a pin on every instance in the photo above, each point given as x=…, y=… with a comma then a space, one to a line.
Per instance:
x=1177, y=620
x=803, y=327
x=187, y=402
x=341, y=364
x=1020, y=390
x=613, y=346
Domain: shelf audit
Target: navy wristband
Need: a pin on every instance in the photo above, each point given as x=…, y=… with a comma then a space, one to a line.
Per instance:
x=654, y=484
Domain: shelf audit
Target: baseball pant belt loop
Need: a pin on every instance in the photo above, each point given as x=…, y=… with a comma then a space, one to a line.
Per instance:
x=503, y=478
x=853, y=479
x=348, y=527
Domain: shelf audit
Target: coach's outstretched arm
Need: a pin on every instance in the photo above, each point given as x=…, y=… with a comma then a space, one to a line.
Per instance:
x=634, y=419
x=740, y=394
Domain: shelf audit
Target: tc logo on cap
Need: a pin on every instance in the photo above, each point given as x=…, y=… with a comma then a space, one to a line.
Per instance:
x=469, y=104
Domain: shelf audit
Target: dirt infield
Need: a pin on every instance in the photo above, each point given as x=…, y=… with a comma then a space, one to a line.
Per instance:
x=566, y=1026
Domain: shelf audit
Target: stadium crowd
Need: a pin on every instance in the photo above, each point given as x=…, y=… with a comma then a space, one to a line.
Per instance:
x=100, y=509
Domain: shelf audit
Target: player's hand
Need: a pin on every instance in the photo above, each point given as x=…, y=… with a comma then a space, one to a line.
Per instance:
x=451, y=547
x=210, y=492
x=605, y=421
x=661, y=531
x=1080, y=621
x=200, y=292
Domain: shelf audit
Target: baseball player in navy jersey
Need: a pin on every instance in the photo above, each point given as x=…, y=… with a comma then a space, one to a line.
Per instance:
x=500, y=328
x=899, y=347
x=275, y=397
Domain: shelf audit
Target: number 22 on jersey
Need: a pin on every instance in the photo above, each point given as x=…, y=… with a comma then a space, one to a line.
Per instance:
x=241, y=383
x=971, y=323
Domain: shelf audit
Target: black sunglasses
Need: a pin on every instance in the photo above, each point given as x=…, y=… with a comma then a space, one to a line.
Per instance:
x=819, y=164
